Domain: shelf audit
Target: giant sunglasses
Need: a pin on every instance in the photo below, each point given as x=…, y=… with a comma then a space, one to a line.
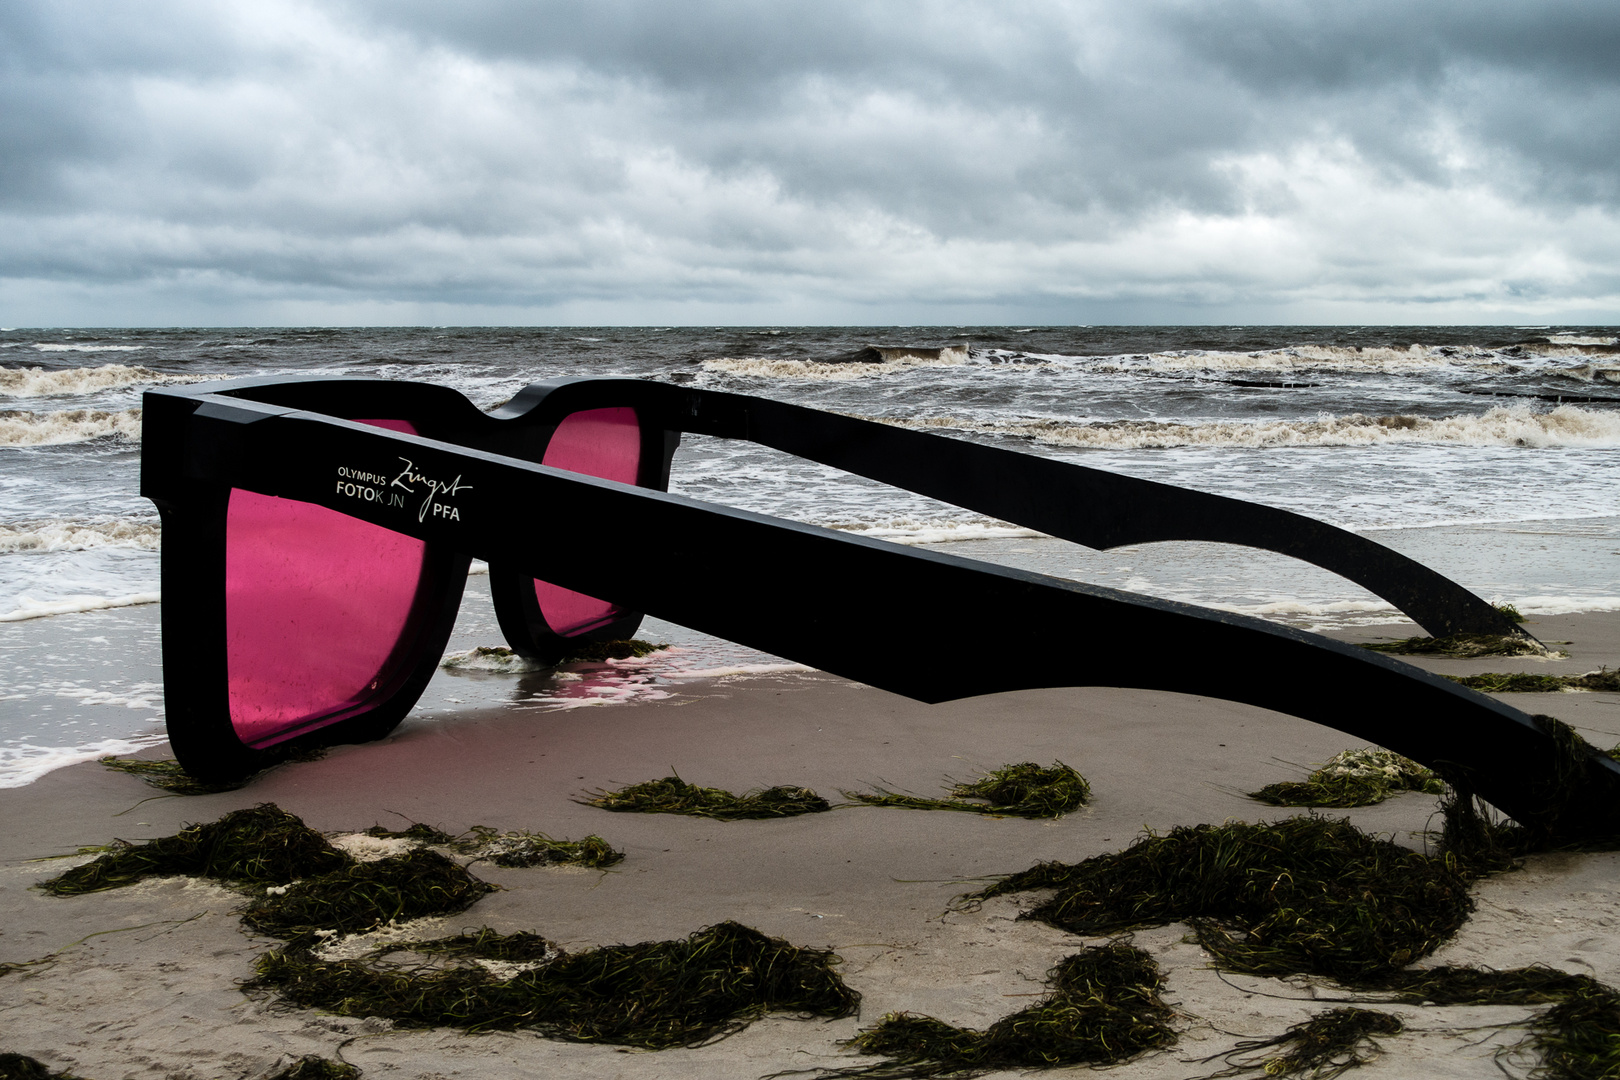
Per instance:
x=317, y=535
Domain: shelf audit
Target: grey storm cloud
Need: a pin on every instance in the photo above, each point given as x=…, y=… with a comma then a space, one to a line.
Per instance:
x=1301, y=159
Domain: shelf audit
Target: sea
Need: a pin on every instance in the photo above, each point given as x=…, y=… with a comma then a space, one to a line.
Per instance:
x=1486, y=452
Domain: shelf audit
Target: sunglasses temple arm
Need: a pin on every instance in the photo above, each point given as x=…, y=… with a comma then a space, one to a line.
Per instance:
x=830, y=600
x=1098, y=509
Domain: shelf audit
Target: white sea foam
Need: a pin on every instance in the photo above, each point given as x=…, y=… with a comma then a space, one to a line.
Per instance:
x=141, y=695
x=1329, y=359
x=734, y=670
x=69, y=347
x=891, y=360
x=21, y=428
x=24, y=763
x=29, y=608
x=1566, y=605
x=1592, y=373
x=78, y=536
x=915, y=533
x=1512, y=425
x=496, y=658
x=38, y=382
x=1581, y=339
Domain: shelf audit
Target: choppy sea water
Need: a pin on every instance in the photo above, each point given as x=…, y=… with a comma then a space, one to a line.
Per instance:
x=1485, y=452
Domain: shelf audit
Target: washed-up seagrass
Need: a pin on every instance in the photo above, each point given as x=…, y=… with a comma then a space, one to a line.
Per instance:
x=1306, y=894
x=1353, y=778
x=654, y=995
x=263, y=845
x=672, y=795
x=1023, y=790
x=1104, y=1008
x=514, y=848
x=1510, y=682
x=1325, y=1046
x=363, y=896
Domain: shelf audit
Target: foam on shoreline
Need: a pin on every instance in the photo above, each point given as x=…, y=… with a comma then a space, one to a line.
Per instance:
x=1505, y=425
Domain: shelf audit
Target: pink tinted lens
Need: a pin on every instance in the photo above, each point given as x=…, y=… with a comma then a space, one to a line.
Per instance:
x=597, y=442
x=316, y=604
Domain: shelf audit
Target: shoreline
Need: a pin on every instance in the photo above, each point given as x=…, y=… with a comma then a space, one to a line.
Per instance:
x=157, y=996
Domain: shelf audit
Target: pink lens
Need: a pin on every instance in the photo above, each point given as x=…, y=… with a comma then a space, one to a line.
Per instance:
x=597, y=442
x=316, y=606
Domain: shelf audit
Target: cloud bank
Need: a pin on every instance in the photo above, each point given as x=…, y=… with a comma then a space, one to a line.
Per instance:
x=632, y=162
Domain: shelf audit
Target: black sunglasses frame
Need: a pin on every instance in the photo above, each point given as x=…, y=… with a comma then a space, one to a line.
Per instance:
x=286, y=437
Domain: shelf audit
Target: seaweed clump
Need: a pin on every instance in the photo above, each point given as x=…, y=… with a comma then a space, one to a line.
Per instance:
x=485, y=944
x=23, y=1067
x=263, y=845
x=1462, y=646
x=1353, y=778
x=1577, y=1039
x=602, y=651
x=514, y=848
x=167, y=774
x=311, y=1067
x=1024, y=790
x=1104, y=1008
x=518, y=848
x=1326, y=1045
x=655, y=995
x=672, y=795
x=1304, y=895
x=1514, y=682
x=363, y=896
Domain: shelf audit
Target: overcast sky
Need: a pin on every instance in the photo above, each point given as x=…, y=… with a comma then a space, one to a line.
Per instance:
x=408, y=161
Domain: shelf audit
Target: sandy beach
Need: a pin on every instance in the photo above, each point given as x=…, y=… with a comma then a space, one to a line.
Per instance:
x=143, y=981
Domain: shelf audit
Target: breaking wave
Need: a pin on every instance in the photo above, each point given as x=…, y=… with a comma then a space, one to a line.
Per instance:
x=1515, y=425
x=916, y=533
x=56, y=347
x=871, y=361
x=20, y=428
x=1356, y=360
x=29, y=608
x=38, y=382
x=78, y=536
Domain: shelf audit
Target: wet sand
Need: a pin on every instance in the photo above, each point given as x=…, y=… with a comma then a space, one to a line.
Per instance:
x=154, y=992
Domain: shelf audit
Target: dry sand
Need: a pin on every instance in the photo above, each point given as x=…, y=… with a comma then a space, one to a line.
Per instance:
x=143, y=981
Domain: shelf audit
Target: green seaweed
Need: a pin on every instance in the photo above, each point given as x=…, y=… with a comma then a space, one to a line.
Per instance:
x=1455, y=984
x=1024, y=790
x=1461, y=646
x=166, y=773
x=1513, y=613
x=1579, y=1038
x=310, y=1067
x=654, y=995
x=1104, y=1008
x=1303, y=895
x=422, y=834
x=1353, y=778
x=363, y=896
x=517, y=848
x=263, y=845
x=514, y=848
x=1327, y=1045
x=672, y=795
x=22, y=1067
x=483, y=944
x=602, y=651
x=1516, y=682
